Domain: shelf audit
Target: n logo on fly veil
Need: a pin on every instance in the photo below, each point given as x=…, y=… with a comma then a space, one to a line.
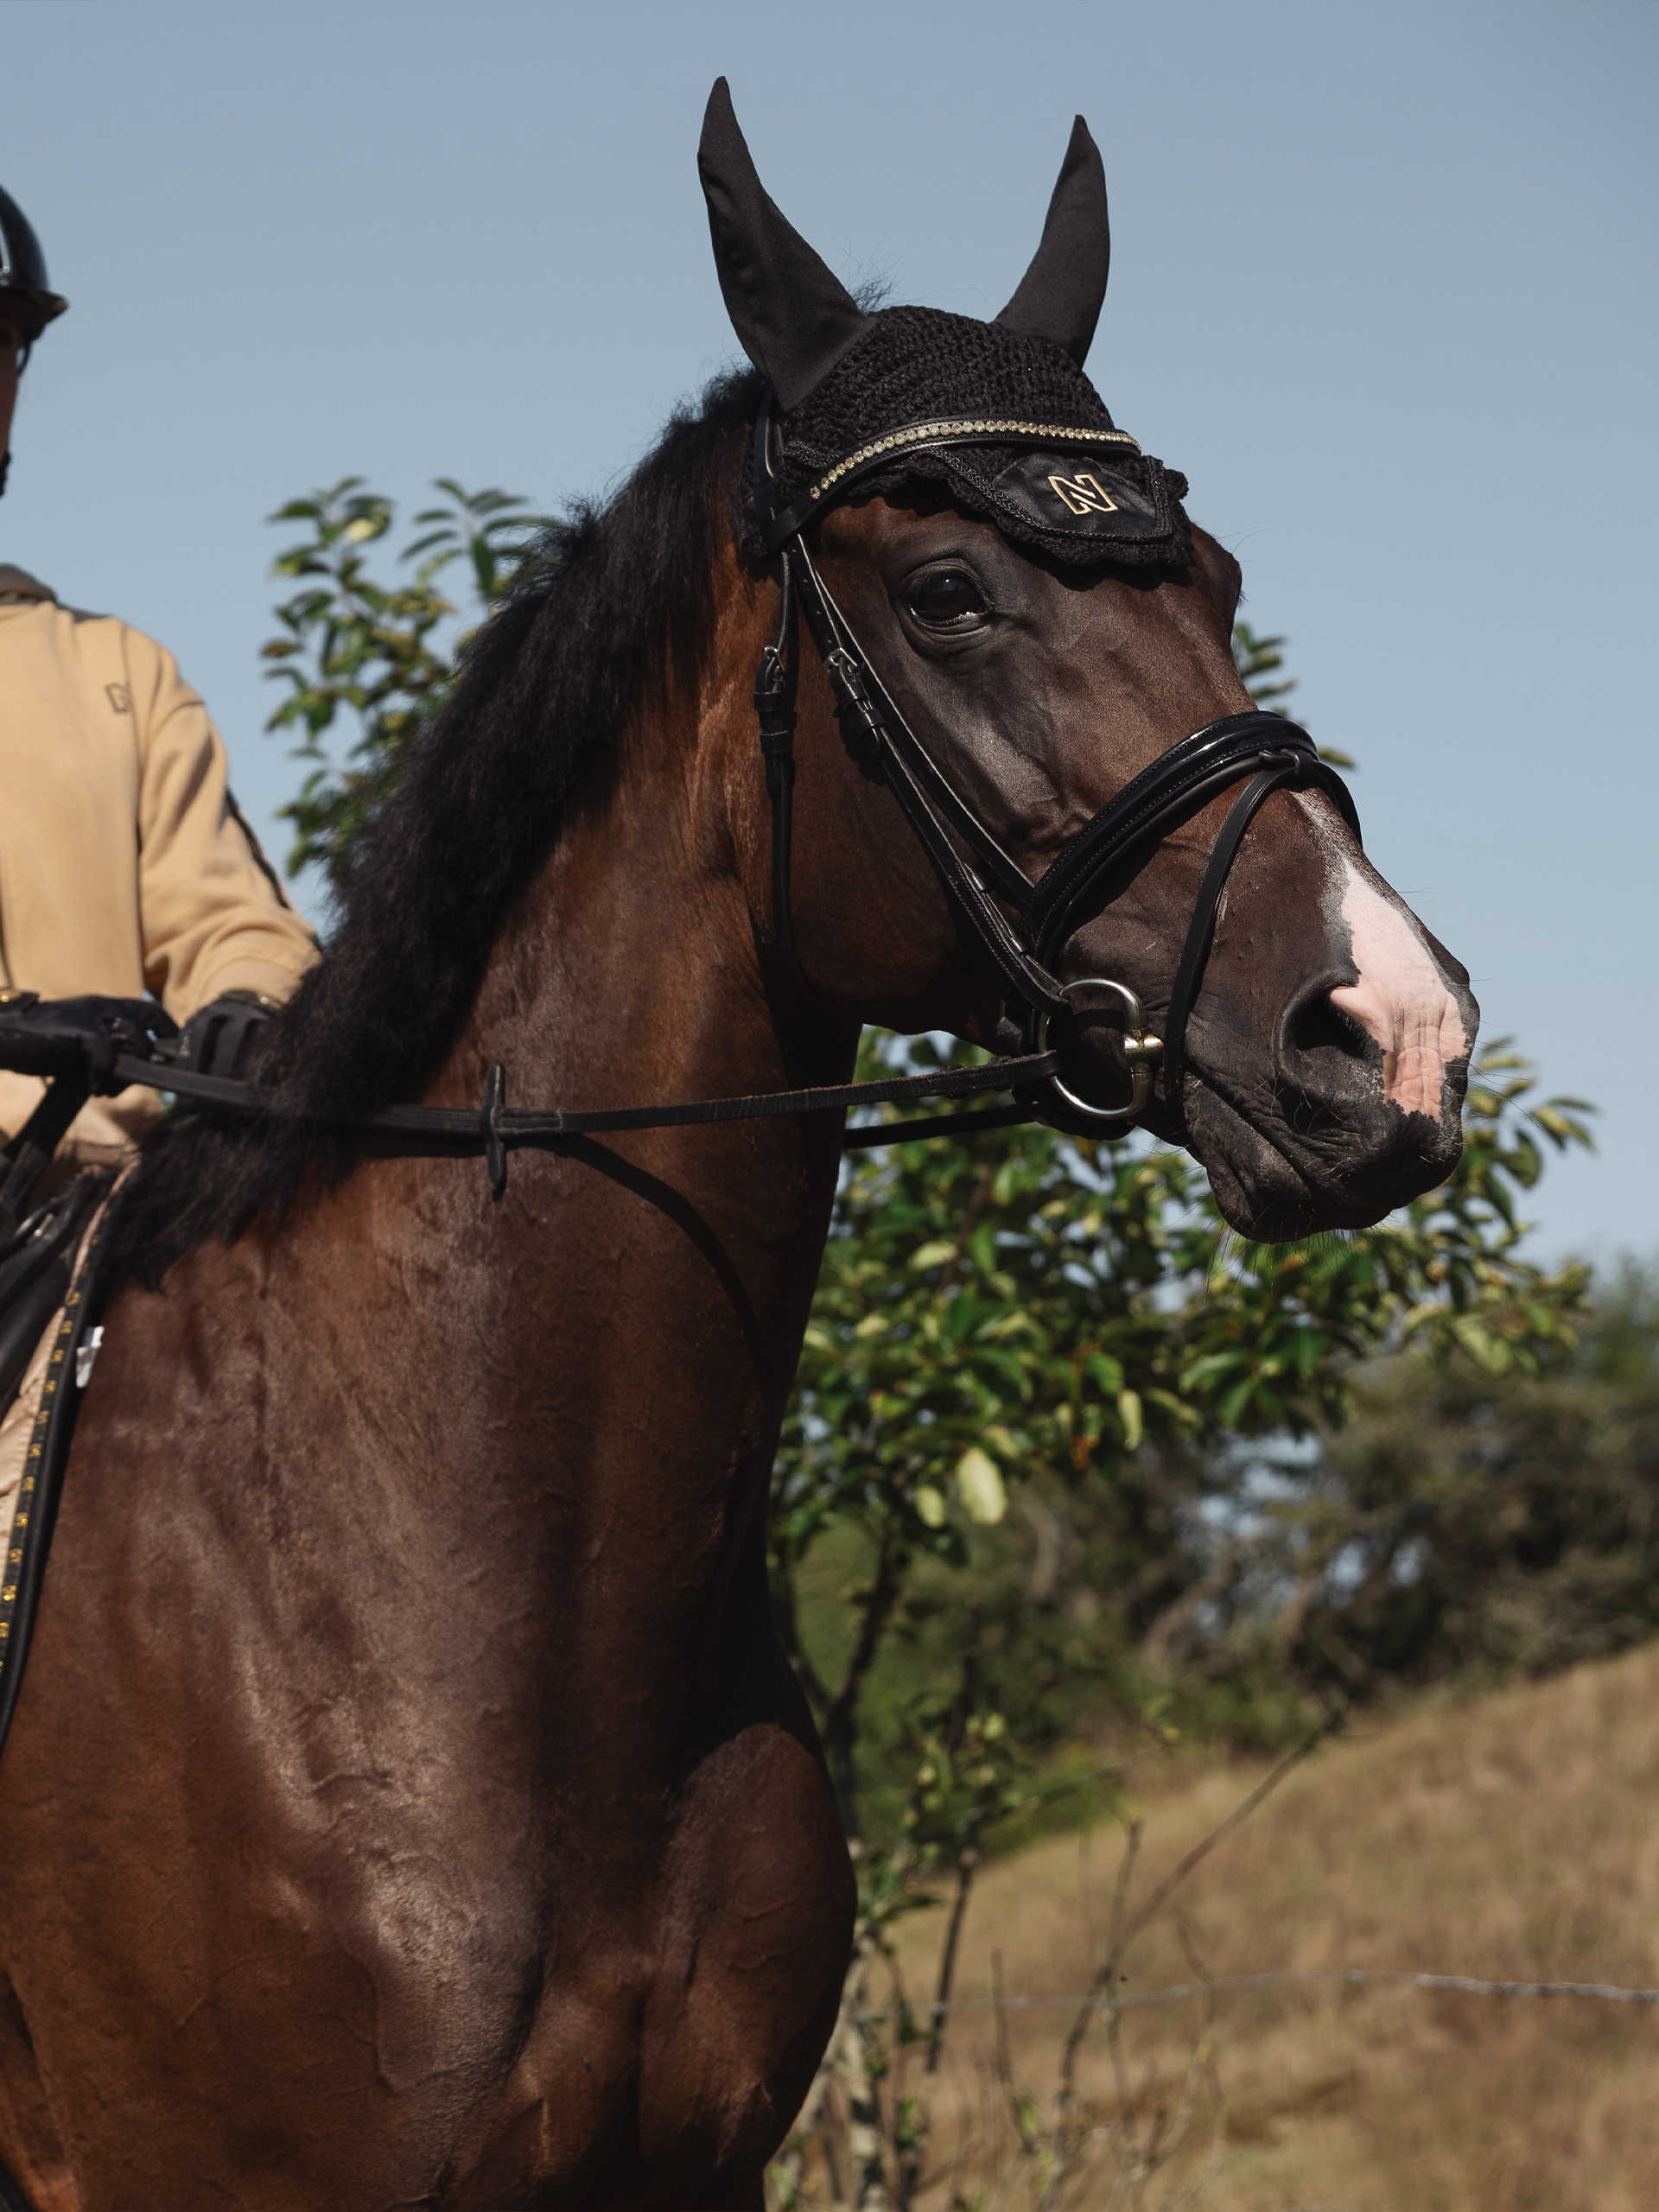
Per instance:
x=1082, y=495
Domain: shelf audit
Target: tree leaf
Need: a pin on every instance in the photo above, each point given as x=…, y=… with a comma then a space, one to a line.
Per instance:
x=979, y=1479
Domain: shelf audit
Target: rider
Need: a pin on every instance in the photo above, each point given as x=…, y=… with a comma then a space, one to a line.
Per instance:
x=126, y=867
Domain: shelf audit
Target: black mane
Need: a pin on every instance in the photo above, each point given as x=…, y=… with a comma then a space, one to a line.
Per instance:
x=546, y=685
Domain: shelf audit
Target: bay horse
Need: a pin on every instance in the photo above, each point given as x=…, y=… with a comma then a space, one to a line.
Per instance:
x=409, y=1804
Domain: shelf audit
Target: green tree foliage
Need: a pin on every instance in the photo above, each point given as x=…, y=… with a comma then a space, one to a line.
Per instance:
x=1474, y=1521
x=1019, y=1307
x=386, y=652
x=1260, y=662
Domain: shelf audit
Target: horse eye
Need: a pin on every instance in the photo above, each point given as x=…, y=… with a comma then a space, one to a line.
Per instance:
x=947, y=596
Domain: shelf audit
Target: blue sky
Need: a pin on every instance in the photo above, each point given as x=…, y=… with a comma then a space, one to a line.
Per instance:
x=1382, y=285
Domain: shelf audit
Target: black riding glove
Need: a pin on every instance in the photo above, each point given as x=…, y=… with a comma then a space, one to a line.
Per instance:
x=216, y=1036
x=75, y=1037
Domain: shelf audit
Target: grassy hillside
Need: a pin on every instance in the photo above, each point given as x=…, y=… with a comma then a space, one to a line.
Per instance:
x=1513, y=1838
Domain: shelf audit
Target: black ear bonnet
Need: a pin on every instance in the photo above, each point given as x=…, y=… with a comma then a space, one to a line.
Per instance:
x=1005, y=420
x=999, y=413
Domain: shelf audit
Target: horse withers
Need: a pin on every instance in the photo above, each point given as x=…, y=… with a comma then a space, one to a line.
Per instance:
x=407, y=1804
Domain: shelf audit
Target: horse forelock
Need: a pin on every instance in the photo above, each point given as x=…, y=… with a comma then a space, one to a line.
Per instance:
x=626, y=608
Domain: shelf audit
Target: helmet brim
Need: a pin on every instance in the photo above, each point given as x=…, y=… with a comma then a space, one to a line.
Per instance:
x=35, y=307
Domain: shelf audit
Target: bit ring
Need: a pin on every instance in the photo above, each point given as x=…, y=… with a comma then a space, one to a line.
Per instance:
x=1140, y=1049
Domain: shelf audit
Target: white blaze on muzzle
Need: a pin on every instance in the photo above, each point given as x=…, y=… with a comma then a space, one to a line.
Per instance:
x=1400, y=999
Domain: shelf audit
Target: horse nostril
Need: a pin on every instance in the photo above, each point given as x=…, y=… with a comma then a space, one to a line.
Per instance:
x=1321, y=1049
x=1318, y=1027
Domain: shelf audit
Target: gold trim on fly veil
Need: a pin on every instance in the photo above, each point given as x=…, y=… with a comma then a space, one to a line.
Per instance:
x=961, y=427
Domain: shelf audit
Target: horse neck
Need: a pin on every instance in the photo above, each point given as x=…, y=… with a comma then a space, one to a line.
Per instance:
x=655, y=1284
x=633, y=1305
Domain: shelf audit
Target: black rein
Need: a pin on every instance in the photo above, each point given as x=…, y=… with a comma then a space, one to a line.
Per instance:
x=1023, y=926
x=496, y=1129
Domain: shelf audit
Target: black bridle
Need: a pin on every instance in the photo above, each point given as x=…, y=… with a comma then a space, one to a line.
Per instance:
x=1024, y=944
x=1023, y=926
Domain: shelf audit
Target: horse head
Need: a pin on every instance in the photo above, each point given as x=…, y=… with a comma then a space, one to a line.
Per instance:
x=975, y=543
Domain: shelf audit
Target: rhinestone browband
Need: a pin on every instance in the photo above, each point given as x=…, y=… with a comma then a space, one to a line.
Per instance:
x=963, y=427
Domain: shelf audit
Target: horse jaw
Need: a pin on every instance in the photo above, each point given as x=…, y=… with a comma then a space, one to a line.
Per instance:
x=1273, y=1191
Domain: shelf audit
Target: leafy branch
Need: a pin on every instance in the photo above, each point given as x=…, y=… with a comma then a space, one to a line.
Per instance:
x=387, y=653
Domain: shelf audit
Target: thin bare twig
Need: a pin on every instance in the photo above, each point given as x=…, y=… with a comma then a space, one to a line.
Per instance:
x=1005, y=2063
x=1116, y=1943
x=967, y=1865
x=1201, y=1851
x=1126, y=1926
x=1060, y=2146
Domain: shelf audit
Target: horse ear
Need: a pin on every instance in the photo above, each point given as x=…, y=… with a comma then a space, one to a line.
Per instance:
x=792, y=317
x=1060, y=293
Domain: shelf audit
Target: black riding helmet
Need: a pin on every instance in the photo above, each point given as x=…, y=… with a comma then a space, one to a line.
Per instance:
x=22, y=271
x=23, y=285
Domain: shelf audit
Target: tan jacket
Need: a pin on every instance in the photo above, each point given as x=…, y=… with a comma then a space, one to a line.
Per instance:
x=124, y=865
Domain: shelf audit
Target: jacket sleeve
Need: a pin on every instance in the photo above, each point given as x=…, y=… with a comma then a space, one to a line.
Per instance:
x=214, y=917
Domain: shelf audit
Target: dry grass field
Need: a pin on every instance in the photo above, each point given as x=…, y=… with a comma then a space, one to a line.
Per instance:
x=1512, y=1838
